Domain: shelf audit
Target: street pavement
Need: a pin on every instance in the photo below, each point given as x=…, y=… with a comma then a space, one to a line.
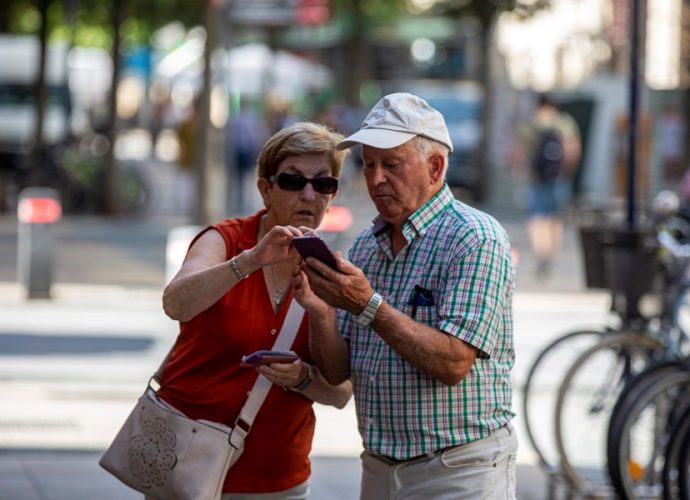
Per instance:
x=72, y=366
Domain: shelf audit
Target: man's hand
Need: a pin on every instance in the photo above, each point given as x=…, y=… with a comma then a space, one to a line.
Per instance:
x=346, y=288
x=305, y=296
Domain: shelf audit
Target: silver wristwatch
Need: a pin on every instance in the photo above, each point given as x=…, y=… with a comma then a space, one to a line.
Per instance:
x=367, y=315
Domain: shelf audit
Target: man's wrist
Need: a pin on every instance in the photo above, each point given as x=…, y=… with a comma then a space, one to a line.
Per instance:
x=369, y=312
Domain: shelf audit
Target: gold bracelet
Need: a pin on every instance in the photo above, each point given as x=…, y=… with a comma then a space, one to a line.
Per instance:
x=236, y=270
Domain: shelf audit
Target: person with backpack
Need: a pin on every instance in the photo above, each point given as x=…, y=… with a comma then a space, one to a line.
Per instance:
x=552, y=142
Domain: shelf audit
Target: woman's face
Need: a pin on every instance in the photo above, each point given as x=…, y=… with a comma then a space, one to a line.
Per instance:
x=302, y=207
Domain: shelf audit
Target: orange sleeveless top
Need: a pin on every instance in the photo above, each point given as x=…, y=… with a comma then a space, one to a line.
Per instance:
x=204, y=380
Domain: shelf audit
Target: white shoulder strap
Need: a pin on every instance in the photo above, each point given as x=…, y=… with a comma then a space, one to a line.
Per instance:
x=258, y=394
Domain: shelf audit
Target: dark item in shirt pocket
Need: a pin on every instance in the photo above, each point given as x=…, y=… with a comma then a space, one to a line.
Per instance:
x=421, y=297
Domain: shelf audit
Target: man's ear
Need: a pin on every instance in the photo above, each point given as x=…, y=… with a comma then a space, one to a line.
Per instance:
x=436, y=167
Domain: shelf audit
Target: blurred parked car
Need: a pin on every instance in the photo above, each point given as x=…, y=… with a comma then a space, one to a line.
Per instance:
x=460, y=103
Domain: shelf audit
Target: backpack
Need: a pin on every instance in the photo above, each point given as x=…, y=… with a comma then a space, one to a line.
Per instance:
x=548, y=155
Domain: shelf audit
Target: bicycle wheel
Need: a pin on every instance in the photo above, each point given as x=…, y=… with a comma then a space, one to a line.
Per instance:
x=645, y=433
x=630, y=394
x=684, y=468
x=541, y=388
x=585, y=400
x=679, y=442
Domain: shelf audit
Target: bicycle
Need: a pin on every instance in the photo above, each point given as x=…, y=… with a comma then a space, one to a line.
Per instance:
x=77, y=173
x=676, y=473
x=624, y=350
x=641, y=442
x=544, y=377
x=639, y=428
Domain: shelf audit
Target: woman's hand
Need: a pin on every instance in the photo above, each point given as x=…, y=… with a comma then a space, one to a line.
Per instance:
x=274, y=246
x=285, y=374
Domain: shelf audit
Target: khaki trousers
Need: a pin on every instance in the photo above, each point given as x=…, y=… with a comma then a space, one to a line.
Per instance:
x=480, y=470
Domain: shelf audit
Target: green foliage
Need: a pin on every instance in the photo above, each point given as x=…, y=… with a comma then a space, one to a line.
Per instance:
x=91, y=24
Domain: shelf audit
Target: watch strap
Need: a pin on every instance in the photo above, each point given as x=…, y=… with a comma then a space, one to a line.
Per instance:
x=367, y=315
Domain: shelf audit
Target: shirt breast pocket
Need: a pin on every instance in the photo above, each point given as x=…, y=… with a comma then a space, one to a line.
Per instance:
x=422, y=306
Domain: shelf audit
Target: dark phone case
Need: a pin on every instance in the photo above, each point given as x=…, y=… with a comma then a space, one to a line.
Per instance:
x=265, y=357
x=313, y=246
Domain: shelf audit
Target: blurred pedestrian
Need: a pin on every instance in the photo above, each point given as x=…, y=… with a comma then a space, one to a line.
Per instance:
x=246, y=133
x=231, y=296
x=187, y=134
x=670, y=135
x=421, y=319
x=552, y=150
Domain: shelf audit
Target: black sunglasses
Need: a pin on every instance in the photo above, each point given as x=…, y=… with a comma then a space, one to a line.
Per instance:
x=296, y=182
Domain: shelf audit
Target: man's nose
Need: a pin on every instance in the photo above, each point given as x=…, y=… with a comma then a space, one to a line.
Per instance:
x=377, y=175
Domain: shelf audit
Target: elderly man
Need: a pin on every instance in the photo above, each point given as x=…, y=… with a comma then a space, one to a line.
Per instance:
x=420, y=319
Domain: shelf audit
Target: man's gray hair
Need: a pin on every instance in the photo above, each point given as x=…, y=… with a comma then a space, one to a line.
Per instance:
x=427, y=147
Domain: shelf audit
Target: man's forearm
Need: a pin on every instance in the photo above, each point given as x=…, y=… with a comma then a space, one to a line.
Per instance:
x=431, y=351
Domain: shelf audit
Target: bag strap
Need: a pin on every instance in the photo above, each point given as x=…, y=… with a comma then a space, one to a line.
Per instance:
x=262, y=386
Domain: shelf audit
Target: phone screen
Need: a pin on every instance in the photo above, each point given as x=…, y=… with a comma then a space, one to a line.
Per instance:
x=313, y=246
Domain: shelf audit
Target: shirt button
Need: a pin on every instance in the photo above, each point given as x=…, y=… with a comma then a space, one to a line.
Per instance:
x=274, y=331
x=372, y=378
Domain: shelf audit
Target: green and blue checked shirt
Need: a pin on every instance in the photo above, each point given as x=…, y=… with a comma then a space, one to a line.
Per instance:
x=462, y=256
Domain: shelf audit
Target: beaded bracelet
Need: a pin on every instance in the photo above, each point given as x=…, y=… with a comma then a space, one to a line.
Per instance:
x=236, y=270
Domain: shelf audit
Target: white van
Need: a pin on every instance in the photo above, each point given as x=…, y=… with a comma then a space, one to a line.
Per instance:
x=18, y=75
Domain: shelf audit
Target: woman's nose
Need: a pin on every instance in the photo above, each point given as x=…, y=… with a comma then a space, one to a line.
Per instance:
x=308, y=192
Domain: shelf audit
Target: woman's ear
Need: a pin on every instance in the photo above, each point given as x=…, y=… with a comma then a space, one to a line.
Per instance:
x=264, y=186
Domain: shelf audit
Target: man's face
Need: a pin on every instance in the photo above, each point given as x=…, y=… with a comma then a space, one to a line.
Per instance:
x=398, y=179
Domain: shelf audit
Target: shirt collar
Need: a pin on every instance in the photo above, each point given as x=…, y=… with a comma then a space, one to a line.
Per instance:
x=420, y=221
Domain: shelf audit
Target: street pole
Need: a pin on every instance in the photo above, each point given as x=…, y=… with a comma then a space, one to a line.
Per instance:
x=633, y=111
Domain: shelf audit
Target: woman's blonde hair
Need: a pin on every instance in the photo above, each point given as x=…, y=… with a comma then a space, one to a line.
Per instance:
x=298, y=139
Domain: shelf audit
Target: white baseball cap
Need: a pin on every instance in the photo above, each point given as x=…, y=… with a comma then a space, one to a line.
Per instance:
x=396, y=119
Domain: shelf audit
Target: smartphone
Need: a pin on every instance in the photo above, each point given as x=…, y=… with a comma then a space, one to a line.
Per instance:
x=266, y=357
x=313, y=246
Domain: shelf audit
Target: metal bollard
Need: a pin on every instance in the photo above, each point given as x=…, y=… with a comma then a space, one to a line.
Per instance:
x=38, y=210
x=179, y=239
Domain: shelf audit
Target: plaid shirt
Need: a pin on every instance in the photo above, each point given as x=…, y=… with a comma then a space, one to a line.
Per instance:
x=462, y=256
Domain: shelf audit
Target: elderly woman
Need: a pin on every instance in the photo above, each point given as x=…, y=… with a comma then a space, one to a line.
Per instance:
x=231, y=296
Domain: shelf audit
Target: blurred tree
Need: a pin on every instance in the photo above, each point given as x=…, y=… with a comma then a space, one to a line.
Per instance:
x=487, y=13
x=93, y=23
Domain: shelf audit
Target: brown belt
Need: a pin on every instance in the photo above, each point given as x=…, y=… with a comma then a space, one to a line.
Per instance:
x=419, y=458
x=432, y=454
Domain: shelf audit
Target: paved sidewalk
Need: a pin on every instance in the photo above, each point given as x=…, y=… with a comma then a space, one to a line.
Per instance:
x=71, y=368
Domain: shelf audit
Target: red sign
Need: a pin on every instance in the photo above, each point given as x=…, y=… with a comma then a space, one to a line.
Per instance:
x=39, y=210
x=338, y=219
